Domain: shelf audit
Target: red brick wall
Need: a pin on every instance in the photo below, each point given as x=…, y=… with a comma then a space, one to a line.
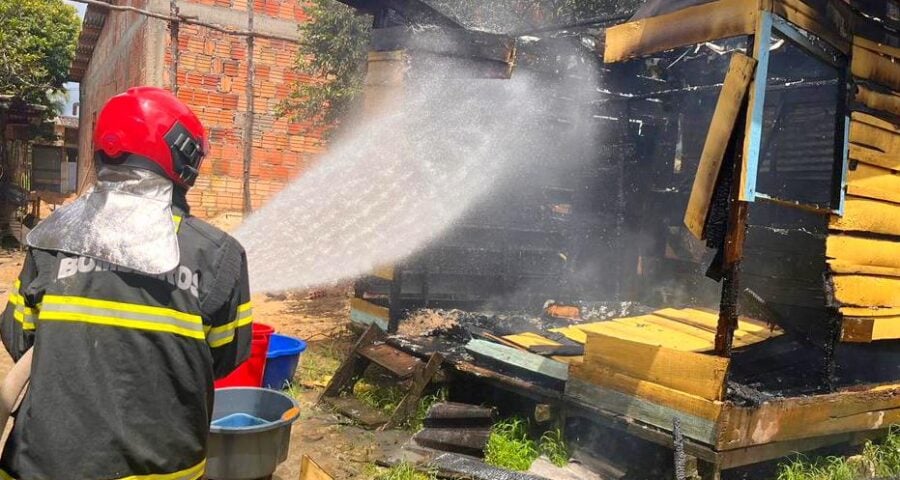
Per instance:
x=119, y=62
x=212, y=79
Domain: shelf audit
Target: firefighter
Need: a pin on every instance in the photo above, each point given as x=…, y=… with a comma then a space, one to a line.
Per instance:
x=133, y=308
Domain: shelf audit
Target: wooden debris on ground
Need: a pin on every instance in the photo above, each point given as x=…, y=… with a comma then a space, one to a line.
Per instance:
x=462, y=466
x=372, y=349
x=457, y=428
x=310, y=470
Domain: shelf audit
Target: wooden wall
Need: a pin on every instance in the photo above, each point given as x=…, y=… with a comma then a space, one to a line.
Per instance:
x=864, y=243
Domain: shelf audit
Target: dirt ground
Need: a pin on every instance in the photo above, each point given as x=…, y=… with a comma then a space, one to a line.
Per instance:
x=321, y=318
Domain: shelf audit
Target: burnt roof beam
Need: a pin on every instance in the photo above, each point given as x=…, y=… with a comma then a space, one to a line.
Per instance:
x=416, y=12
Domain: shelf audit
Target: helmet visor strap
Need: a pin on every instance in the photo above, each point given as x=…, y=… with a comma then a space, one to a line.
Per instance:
x=187, y=153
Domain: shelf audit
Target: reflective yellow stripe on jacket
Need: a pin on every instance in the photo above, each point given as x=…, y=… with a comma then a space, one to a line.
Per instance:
x=23, y=314
x=56, y=308
x=192, y=473
x=224, y=334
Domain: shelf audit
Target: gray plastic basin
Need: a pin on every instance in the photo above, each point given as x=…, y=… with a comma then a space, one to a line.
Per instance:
x=251, y=452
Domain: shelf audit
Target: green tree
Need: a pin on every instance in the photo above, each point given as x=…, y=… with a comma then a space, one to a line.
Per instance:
x=333, y=46
x=37, y=45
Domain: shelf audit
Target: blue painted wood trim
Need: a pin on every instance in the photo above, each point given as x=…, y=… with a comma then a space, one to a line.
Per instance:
x=761, y=42
x=365, y=318
x=846, y=165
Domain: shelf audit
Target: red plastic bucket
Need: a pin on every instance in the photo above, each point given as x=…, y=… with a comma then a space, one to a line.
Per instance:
x=250, y=373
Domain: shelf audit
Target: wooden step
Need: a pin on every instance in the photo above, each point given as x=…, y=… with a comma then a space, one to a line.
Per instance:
x=400, y=363
x=467, y=441
x=459, y=415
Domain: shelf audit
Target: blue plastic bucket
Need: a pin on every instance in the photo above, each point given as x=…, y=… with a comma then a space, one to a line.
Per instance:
x=282, y=360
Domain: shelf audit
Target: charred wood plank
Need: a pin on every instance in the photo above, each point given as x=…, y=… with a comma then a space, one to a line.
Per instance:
x=354, y=366
x=731, y=98
x=460, y=415
x=557, y=350
x=360, y=412
x=467, y=441
x=421, y=380
x=519, y=360
x=446, y=41
x=400, y=363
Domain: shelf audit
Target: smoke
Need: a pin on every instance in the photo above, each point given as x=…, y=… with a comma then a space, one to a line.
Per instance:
x=402, y=178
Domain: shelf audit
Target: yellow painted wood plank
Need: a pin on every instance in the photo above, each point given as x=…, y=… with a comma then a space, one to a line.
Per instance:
x=874, y=157
x=876, y=47
x=694, y=329
x=572, y=333
x=875, y=182
x=849, y=268
x=689, y=26
x=744, y=323
x=369, y=308
x=875, y=66
x=686, y=328
x=710, y=319
x=812, y=20
x=867, y=290
x=694, y=373
x=870, y=311
x=885, y=102
x=809, y=416
x=870, y=329
x=868, y=215
x=529, y=339
x=886, y=328
x=731, y=97
x=874, y=121
x=649, y=335
x=871, y=132
x=310, y=470
x=690, y=330
x=385, y=272
x=659, y=394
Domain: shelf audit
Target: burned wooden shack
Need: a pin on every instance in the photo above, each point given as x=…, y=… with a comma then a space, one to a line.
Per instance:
x=731, y=248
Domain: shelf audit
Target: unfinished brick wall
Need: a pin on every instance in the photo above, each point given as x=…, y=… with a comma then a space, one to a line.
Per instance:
x=119, y=61
x=212, y=80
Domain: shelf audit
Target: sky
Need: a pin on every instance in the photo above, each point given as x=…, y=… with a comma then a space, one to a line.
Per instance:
x=72, y=87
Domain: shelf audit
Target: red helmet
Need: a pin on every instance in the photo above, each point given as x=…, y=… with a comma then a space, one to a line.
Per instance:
x=148, y=127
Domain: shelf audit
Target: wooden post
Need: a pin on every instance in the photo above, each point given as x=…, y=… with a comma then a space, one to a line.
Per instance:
x=395, y=310
x=743, y=187
x=173, y=45
x=728, y=108
x=248, y=121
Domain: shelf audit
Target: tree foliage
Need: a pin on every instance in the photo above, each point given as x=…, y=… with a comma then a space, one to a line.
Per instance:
x=332, y=50
x=37, y=45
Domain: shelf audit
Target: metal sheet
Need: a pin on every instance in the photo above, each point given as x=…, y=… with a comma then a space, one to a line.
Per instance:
x=125, y=219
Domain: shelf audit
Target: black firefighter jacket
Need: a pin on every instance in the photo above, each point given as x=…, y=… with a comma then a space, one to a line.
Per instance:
x=124, y=363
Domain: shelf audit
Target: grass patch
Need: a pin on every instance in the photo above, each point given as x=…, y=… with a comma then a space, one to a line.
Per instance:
x=319, y=362
x=387, y=397
x=405, y=471
x=380, y=397
x=877, y=460
x=510, y=447
x=553, y=445
x=829, y=468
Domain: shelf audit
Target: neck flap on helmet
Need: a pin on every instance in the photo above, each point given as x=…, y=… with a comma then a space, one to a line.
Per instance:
x=125, y=219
